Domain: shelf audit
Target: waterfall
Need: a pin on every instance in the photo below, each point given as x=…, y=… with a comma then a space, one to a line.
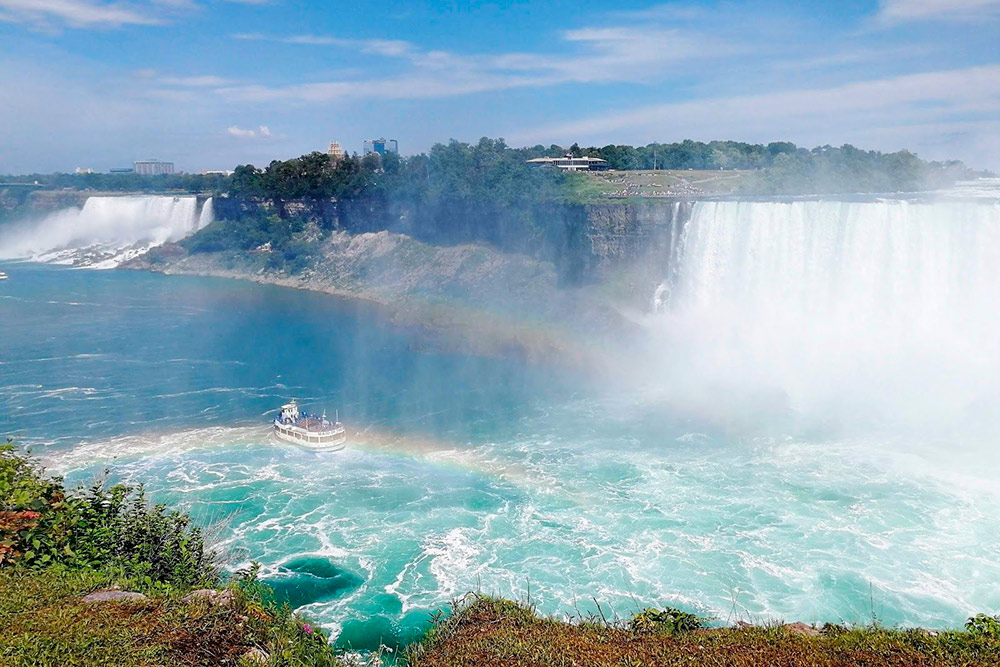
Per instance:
x=106, y=231
x=884, y=308
x=207, y=214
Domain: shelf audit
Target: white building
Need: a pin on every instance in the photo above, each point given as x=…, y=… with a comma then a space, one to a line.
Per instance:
x=153, y=167
x=570, y=163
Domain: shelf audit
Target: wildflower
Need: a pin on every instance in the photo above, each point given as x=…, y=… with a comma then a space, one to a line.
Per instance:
x=307, y=628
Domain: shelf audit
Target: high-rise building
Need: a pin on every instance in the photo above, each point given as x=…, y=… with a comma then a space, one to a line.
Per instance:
x=153, y=167
x=335, y=152
x=381, y=146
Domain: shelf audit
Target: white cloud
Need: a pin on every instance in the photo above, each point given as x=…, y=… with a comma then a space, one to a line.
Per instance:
x=236, y=131
x=74, y=13
x=899, y=11
x=609, y=54
x=868, y=109
x=202, y=81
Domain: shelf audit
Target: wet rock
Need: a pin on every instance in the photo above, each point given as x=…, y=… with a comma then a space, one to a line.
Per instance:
x=800, y=628
x=113, y=596
x=218, y=598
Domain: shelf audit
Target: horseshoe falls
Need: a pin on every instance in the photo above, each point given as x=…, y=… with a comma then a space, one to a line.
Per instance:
x=806, y=431
x=851, y=312
x=106, y=230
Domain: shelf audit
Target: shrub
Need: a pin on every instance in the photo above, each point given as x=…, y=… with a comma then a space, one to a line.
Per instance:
x=37, y=521
x=124, y=530
x=982, y=625
x=41, y=525
x=668, y=620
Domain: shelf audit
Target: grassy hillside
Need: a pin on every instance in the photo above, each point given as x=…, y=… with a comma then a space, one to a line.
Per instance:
x=500, y=633
x=593, y=186
x=47, y=621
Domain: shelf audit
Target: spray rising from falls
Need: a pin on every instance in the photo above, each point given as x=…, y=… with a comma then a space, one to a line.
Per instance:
x=844, y=311
x=106, y=231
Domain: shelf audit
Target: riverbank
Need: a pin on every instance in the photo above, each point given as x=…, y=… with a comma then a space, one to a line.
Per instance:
x=59, y=617
x=466, y=298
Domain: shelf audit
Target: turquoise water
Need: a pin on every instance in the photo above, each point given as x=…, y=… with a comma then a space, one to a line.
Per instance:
x=466, y=473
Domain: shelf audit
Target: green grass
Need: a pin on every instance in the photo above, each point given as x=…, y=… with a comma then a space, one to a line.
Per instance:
x=585, y=188
x=596, y=186
x=46, y=623
x=501, y=633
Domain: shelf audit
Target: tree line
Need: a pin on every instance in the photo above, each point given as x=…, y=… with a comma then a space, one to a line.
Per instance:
x=490, y=171
x=124, y=182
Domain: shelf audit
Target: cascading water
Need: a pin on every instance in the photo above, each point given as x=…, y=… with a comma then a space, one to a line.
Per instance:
x=842, y=310
x=207, y=214
x=106, y=231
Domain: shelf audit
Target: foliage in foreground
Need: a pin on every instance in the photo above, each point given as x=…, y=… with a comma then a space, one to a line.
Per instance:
x=982, y=625
x=671, y=621
x=43, y=524
x=57, y=546
x=501, y=633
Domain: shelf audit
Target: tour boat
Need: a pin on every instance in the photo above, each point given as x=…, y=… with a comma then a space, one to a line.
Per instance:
x=3, y=276
x=309, y=431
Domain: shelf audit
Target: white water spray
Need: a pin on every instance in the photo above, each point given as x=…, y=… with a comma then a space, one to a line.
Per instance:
x=106, y=231
x=845, y=311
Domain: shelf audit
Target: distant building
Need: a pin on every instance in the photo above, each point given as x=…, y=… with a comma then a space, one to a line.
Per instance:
x=83, y=170
x=570, y=163
x=217, y=172
x=381, y=146
x=153, y=167
x=335, y=152
x=122, y=170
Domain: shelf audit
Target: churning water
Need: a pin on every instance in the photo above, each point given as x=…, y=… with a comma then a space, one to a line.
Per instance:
x=810, y=435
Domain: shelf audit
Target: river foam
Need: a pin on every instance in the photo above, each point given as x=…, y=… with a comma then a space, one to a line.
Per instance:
x=787, y=527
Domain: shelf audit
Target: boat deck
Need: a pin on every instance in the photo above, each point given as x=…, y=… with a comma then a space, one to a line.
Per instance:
x=311, y=424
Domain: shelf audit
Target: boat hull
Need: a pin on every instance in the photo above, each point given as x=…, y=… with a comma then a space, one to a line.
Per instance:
x=318, y=442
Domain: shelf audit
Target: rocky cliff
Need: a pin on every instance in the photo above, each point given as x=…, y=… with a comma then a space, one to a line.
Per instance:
x=586, y=243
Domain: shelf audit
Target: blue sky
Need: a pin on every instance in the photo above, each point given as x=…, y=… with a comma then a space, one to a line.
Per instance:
x=213, y=83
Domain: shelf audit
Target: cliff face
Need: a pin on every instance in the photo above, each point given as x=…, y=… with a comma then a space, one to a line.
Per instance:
x=623, y=234
x=585, y=242
x=18, y=202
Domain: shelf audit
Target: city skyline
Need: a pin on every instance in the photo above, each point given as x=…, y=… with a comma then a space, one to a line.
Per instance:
x=210, y=84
